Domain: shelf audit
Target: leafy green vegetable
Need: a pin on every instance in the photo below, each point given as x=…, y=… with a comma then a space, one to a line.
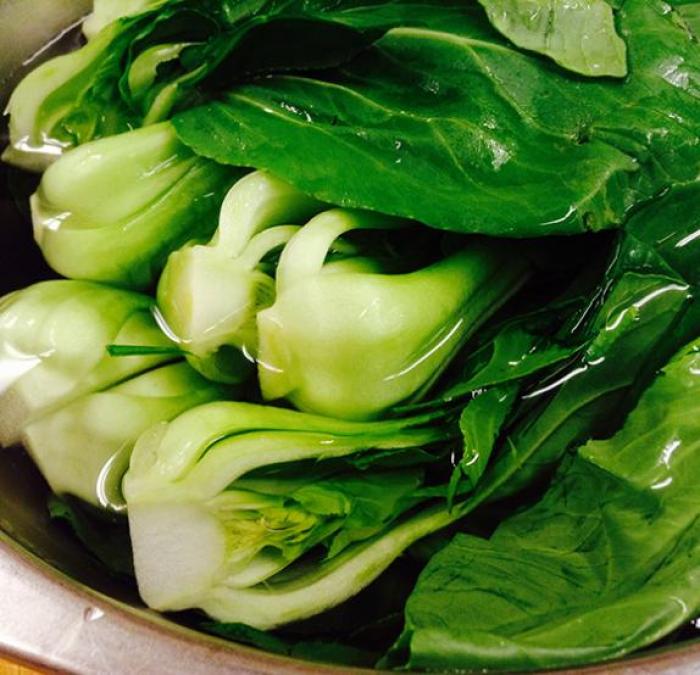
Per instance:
x=463, y=140
x=345, y=340
x=148, y=58
x=578, y=35
x=664, y=236
x=516, y=352
x=480, y=424
x=52, y=346
x=112, y=210
x=645, y=315
x=57, y=105
x=604, y=564
x=229, y=495
x=465, y=133
x=645, y=311
x=631, y=333
x=82, y=447
x=352, y=131
x=209, y=296
x=634, y=328
x=652, y=305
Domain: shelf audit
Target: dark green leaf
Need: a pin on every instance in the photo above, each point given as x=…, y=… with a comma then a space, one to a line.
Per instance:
x=141, y=350
x=634, y=330
x=464, y=139
x=664, y=236
x=468, y=134
x=141, y=68
x=397, y=457
x=515, y=353
x=367, y=502
x=481, y=423
x=606, y=563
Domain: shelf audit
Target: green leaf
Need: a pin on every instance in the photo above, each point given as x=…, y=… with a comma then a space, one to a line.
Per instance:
x=466, y=133
x=372, y=501
x=481, y=424
x=143, y=350
x=664, y=236
x=634, y=329
x=649, y=311
x=515, y=353
x=580, y=35
x=606, y=563
x=447, y=135
x=398, y=457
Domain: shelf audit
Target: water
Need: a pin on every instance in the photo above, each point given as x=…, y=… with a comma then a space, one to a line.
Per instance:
x=21, y=264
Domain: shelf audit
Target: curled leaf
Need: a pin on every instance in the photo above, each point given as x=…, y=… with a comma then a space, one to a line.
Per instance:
x=579, y=35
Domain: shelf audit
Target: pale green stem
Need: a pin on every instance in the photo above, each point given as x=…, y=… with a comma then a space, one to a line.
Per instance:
x=306, y=252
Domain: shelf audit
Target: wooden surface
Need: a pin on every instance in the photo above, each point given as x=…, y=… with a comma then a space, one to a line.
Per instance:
x=9, y=668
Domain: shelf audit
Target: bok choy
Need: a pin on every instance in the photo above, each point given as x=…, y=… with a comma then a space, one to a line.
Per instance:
x=604, y=563
x=228, y=496
x=82, y=448
x=396, y=290
x=343, y=339
x=53, y=339
x=112, y=210
x=209, y=295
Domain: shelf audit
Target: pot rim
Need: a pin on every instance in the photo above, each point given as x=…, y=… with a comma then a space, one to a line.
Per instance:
x=49, y=620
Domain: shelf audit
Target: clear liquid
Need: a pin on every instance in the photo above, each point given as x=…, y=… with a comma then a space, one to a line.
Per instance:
x=21, y=264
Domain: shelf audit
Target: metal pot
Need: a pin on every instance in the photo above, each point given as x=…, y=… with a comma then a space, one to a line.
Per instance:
x=58, y=608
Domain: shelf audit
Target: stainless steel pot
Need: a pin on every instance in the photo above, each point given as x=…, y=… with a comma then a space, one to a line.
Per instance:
x=58, y=608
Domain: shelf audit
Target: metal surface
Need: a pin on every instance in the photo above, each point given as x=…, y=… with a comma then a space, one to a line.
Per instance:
x=50, y=620
x=41, y=21
x=58, y=607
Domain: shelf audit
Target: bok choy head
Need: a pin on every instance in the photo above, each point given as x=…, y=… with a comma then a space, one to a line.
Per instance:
x=82, y=448
x=113, y=209
x=228, y=496
x=58, y=106
x=348, y=340
x=209, y=295
x=52, y=346
x=98, y=90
